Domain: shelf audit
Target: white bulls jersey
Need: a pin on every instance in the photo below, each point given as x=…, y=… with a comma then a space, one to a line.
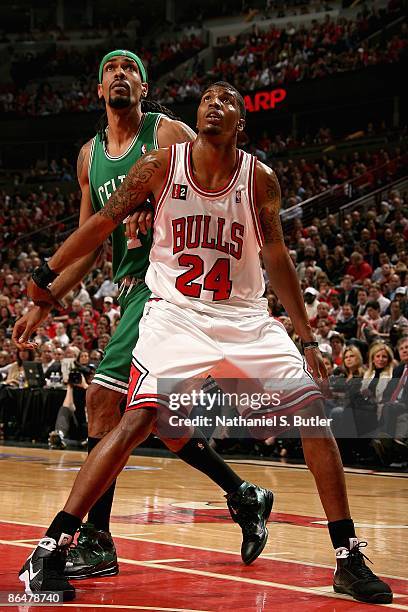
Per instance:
x=206, y=243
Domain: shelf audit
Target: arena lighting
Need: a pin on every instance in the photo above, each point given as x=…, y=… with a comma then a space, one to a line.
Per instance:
x=264, y=100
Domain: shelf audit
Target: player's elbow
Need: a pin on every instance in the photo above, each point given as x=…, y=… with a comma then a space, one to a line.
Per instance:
x=275, y=253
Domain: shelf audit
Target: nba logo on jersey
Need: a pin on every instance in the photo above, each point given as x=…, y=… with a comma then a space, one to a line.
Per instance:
x=179, y=192
x=143, y=149
x=238, y=197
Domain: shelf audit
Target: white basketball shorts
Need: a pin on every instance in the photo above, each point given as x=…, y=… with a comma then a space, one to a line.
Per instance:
x=244, y=345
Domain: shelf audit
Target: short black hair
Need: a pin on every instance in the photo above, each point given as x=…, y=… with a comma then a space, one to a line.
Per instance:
x=240, y=99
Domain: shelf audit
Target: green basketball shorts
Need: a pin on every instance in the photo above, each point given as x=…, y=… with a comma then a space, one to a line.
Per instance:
x=113, y=371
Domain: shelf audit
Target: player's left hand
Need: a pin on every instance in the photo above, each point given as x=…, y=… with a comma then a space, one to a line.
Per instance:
x=139, y=221
x=316, y=367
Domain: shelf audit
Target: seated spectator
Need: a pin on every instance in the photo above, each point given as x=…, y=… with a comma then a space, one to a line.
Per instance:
x=322, y=313
x=394, y=319
x=107, y=288
x=392, y=444
x=109, y=309
x=47, y=357
x=103, y=341
x=96, y=356
x=83, y=358
x=358, y=268
x=345, y=386
x=346, y=322
x=61, y=335
x=5, y=365
x=16, y=375
x=348, y=293
x=104, y=324
x=337, y=345
x=6, y=317
x=311, y=302
x=379, y=372
x=309, y=261
x=353, y=365
x=335, y=305
x=375, y=295
x=287, y=323
x=71, y=352
x=369, y=324
x=324, y=332
x=362, y=299
x=401, y=295
x=81, y=294
x=393, y=284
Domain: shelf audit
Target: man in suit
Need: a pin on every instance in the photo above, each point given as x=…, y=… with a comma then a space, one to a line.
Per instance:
x=49, y=364
x=347, y=292
x=393, y=446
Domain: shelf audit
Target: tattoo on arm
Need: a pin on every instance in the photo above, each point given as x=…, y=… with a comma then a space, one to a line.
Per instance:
x=269, y=214
x=81, y=160
x=133, y=191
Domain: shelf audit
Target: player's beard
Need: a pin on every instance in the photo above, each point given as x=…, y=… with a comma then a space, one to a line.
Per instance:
x=119, y=101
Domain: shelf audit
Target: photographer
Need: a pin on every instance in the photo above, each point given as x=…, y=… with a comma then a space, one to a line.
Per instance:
x=71, y=423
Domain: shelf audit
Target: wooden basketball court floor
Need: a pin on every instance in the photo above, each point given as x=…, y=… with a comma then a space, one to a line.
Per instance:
x=179, y=549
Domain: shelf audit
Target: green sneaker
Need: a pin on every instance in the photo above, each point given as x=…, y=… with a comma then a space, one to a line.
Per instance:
x=93, y=556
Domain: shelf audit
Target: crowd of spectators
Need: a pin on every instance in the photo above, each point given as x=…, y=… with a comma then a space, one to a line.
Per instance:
x=354, y=276
x=300, y=178
x=76, y=89
x=275, y=56
x=303, y=179
x=259, y=59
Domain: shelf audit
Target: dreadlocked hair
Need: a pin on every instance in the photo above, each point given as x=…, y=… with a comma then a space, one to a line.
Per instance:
x=155, y=107
x=147, y=106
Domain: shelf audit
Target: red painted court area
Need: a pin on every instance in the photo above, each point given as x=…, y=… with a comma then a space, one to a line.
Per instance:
x=169, y=577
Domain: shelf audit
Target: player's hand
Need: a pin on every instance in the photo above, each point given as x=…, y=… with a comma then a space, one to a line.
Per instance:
x=140, y=221
x=316, y=367
x=42, y=297
x=27, y=324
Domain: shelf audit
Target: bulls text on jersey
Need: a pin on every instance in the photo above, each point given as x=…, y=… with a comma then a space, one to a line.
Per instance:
x=205, y=232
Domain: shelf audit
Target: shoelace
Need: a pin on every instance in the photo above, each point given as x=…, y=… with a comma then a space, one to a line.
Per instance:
x=356, y=559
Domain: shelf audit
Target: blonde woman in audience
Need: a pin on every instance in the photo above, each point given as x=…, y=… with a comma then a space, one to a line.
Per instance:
x=353, y=365
x=379, y=372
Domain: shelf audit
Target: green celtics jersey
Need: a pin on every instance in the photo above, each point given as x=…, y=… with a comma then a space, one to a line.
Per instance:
x=106, y=173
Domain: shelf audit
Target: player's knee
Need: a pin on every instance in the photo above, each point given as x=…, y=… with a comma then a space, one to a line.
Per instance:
x=136, y=425
x=314, y=422
x=103, y=409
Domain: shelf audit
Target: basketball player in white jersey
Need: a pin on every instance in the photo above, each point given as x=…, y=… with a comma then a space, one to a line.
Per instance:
x=216, y=209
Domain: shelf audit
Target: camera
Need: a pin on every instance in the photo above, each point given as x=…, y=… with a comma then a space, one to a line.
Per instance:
x=75, y=377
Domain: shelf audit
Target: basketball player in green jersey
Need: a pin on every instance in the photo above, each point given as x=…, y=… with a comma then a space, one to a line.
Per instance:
x=103, y=163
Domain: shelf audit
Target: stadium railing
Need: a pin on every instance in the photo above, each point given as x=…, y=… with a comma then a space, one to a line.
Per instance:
x=343, y=197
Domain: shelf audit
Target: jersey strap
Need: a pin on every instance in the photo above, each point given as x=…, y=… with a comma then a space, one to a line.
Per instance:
x=171, y=165
x=252, y=202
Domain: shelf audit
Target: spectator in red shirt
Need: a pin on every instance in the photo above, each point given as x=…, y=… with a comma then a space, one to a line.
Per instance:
x=322, y=313
x=358, y=268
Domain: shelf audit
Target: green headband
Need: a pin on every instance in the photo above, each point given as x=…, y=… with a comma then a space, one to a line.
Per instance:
x=130, y=54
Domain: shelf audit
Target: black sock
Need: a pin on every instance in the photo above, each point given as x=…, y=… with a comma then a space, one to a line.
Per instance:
x=341, y=531
x=99, y=514
x=63, y=523
x=198, y=453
